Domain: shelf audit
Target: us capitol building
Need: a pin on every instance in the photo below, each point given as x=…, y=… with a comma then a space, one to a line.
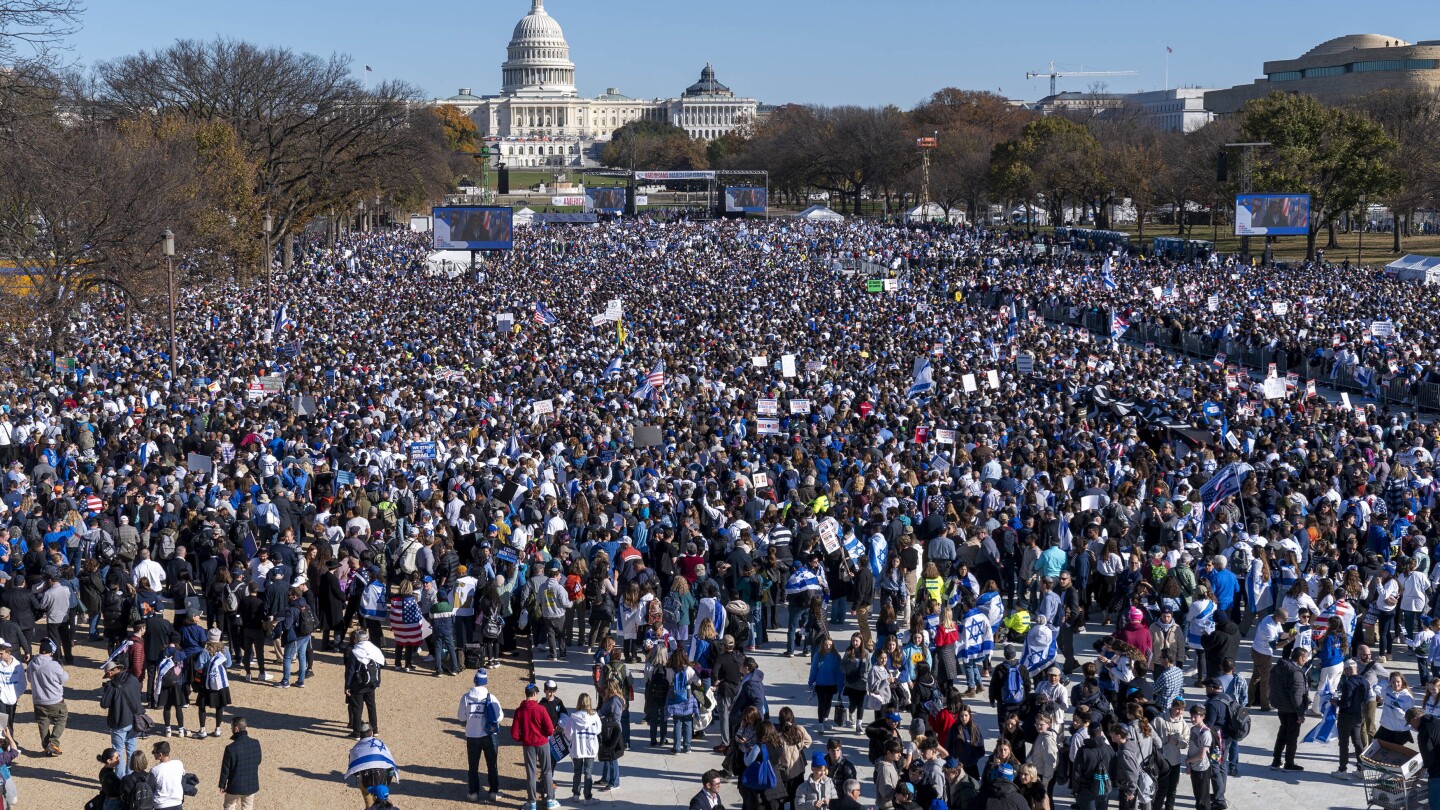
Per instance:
x=539, y=118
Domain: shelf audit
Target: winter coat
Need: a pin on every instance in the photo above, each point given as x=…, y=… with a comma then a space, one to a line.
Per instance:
x=1288, y=690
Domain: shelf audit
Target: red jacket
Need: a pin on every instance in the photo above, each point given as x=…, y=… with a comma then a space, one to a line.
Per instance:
x=135, y=663
x=531, y=724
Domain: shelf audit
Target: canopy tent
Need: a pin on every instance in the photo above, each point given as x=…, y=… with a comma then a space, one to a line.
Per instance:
x=450, y=262
x=1413, y=267
x=524, y=217
x=934, y=212
x=819, y=213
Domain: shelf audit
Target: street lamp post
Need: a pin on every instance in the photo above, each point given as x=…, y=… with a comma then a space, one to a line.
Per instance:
x=168, y=247
x=269, y=225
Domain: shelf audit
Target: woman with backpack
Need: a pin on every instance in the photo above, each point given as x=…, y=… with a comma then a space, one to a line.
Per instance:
x=138, y=787
x=600, y=596
x=167, y=690
x=657, y=687
x=489, y=623
x=212, y=677
x=681, y=708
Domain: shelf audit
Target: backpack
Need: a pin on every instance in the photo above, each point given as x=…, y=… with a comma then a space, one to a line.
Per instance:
x=679, y=688
x=307, y=624
x=611, y=740
x=232, y=602
x=759, y=775
x=405, y=504
x=494, y=623
x=672, y=610
x=1158, y=572
x=1014, y=692
x=272, y=517
x=112, y=604
x=165, y=546
x=405, y=560
x=654, y=612
x=140, y=796
x=1237, y=727
x=105, y=550
x=367, y=674
x=492, y=716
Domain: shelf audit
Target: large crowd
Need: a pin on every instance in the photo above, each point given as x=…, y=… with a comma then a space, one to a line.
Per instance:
x=693, y=440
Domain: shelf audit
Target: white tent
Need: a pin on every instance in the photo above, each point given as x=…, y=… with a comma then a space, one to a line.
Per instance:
x=450, y=262
x=1413, y=267
x=524, y=217
x=933, y=212
x=819, y=213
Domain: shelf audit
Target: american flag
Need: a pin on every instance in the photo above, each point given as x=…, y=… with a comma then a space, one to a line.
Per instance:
x=94, y=504
x=406, y=621
x=656, y=377
x=542, y=315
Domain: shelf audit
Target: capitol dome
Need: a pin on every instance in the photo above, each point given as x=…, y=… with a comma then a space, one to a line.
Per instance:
x=538, y=58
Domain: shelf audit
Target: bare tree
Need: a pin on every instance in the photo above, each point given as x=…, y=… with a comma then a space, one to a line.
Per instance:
x=319, y=140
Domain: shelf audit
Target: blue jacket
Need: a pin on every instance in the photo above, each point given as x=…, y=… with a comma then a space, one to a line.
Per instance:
x=825, y=670
x=1225, y=586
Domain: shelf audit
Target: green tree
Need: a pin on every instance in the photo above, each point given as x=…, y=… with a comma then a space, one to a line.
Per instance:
x=1411, y=117
x=1334, y=154
x=1054, y=158
x=655, y=146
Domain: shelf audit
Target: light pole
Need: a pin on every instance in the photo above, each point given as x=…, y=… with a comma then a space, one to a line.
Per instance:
x=268, y=225
x=168, y=248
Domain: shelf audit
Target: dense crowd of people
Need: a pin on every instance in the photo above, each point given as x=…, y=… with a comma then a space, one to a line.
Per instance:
x=695, y=440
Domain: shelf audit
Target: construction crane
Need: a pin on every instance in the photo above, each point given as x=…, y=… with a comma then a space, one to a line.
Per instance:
x=1055, y=74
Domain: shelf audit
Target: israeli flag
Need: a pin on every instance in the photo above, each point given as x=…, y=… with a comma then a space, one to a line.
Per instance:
x=612, y=369
x=1107, y=274
x=371, y=754
x=924, y=378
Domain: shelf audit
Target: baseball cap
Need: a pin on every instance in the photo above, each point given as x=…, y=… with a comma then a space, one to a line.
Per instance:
x=380, y=791
x=893, y=717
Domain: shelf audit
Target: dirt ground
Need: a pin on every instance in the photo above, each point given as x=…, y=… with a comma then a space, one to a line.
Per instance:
x=303, y=736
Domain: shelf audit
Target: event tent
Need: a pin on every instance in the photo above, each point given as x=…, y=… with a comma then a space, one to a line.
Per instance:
x=819, y=213
x=1413, y=267
x=934, y=212
x=524, y=217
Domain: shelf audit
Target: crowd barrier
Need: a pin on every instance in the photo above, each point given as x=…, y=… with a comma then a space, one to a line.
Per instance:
x=1417, y=395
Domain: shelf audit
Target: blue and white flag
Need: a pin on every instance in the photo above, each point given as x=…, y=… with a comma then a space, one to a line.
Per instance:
x=283, y=321
x=612, y=369
x=924, y=378
x=543, y=315
x=1107, y=274
x=371, y=754
x=1364, y=376
x=801, y=580
x=1040, y=648
x=977, y=638
x=1067, y=538
x=1324, y=731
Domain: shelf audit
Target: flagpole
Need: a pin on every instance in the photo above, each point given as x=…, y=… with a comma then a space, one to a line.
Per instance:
x=1167, y=69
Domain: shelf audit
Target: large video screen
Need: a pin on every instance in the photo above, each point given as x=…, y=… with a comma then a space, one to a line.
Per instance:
x=607, y=199
x=474, y=227
x=749, y=199
x=1272, y=214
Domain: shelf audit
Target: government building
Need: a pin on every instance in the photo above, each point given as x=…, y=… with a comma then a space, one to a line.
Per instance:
x=1340, y=69
x=539, y=118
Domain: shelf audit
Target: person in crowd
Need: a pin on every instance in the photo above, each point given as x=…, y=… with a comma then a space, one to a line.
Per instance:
x=240, y=767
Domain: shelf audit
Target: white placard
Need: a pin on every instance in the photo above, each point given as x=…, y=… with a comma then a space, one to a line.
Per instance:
x=968, y=381
x=1024, y=363
x=599, y=320
x=944, y=436
x=1214, y=303
x=1345, y=401
x=1280, y=308
x=760, y=480
x=1158, y=292
x=799, y=406
x=767, y=407
x=767, y=427
x=1275, y=388
x=1089, y=503
x=758, y=361
x=544, y=407
x=1230, y=437
x=892, y=284
x=1382, y=329
x=992, y=377
x=614, y=308
x=787, y=365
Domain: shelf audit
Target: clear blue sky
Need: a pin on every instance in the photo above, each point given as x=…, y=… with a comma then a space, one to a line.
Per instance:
x=821, y=51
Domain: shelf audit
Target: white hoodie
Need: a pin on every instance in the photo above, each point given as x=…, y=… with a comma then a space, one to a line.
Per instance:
x=472, y=711
x=583, y=730
x=367, y=653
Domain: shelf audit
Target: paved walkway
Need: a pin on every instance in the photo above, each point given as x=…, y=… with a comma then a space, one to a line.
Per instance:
x=653, y=777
